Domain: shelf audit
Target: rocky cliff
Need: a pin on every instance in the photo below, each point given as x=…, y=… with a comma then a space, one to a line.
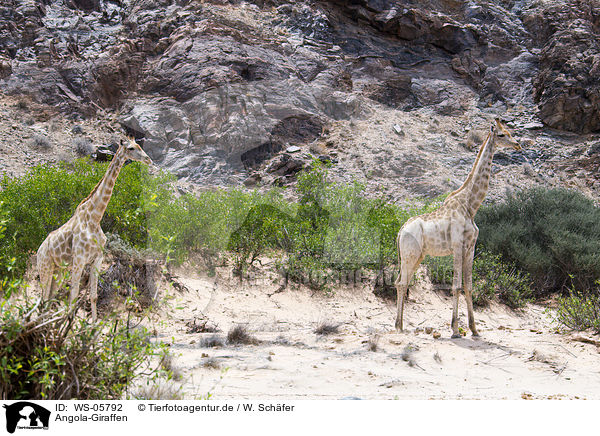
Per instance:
x=384, y=89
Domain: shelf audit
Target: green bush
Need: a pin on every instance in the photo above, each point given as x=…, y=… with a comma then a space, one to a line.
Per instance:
x=265, y=227
x=553, y=235
x=579, y=311
x=332, y=229
x=492, y=279
x=8, y=282
x=440, y=269
x=48, y=354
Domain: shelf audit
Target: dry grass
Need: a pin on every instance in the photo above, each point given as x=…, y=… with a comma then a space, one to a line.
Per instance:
x=211, y=362
x=201, y=326
x=325, y=329
x=408, y=355
x=83, y=147
x=239, y=335
x=212, y=341
x=373, y=343
x=162, y=390
x=40, y=142
x=168, y=366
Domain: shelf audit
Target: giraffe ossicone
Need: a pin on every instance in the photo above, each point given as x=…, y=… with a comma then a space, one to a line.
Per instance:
x=451, y=230
x=80, y=241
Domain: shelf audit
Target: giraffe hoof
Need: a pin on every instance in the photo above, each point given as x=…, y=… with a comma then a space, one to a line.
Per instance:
x=476, y=334
x=456, y=336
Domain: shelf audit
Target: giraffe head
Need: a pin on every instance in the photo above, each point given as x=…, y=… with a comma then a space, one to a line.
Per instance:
x=503, y=136
x=131, y=150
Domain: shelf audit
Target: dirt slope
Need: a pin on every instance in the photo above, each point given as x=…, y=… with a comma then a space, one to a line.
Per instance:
x=519, y=354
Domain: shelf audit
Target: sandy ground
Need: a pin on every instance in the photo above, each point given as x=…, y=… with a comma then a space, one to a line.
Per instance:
x=518, y=355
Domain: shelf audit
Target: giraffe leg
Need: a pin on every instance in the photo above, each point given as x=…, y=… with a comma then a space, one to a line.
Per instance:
x=54, y=285
x=44, y=270
x=456, y=286
x=94, y=272
x=47, y=282
x=75, y=281
x=401, y=293
x=468, y=284
x=411, y=256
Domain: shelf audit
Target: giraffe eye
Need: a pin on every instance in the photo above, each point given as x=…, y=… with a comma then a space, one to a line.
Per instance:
x=501, y=135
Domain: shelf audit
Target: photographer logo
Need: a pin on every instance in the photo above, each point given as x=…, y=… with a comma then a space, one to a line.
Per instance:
x=25, y=415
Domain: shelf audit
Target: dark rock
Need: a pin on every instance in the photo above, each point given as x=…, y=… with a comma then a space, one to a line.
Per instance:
x=77, y=130
x=567, y=87
x=285, y=165
x=378, y=80
x=85, y=5
x=510, y=158
x=5, y=68
x=115, y=74
x=327, y=159
x=594, y=149
x=252, y=180
x=103, y=154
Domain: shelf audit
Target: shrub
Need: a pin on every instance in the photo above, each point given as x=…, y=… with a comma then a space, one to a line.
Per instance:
x=205, y=223
x=40, y=142
x=82, y=146
x=130, y=274
x=326, y=328
x=212, y=341
x=492, y=278
x=265, y=227
x=440, y=269
x=338, y=229
x=8, y=282
x=240, y=335
x=553, y=235
x=579, y=311
x=49, y=354
x=159, y=390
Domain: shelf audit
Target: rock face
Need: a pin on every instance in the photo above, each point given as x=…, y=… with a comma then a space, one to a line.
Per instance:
x=567, y=86
x=217, y=87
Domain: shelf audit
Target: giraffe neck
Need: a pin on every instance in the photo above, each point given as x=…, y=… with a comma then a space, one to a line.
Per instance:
x=97, y=201
x=481, y=175
x=467, y=182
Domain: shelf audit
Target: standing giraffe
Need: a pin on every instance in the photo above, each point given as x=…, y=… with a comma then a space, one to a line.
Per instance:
x=80, y=241
x=451, y=230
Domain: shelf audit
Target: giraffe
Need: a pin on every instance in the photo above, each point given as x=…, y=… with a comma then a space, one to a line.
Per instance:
x=451, y=230
x=80, y=241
